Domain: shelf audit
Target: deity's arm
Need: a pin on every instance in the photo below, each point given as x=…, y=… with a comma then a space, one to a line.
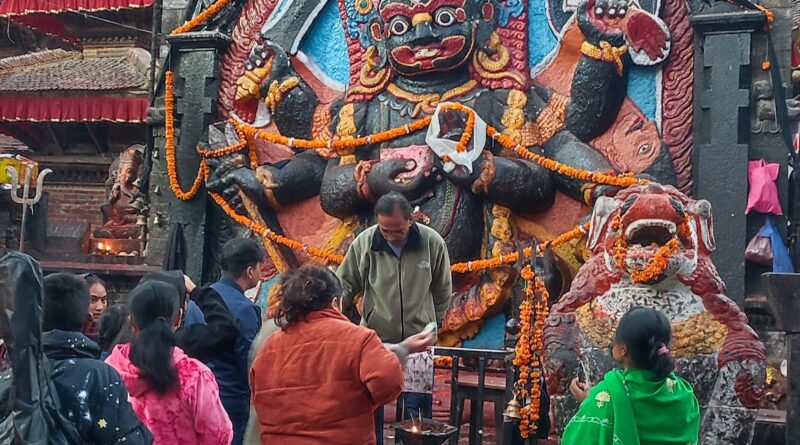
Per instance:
x=522, y=186
x=567, y=149
x=294, y=113
x=292, y=180
x=545, y=133
x=339, y=195
x=599, y=82
x=270, y=77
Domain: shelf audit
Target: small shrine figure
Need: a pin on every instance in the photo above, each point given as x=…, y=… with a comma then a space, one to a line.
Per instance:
x=119, y=216
x=120, y=188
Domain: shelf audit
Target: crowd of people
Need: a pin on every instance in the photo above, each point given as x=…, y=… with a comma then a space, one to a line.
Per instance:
x=186, y=364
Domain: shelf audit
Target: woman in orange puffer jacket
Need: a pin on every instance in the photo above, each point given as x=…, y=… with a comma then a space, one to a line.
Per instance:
x=320, y=379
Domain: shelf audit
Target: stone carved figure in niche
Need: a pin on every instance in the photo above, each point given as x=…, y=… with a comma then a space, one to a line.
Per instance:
x=406, y=58
x=120, y=188
x=715, y=348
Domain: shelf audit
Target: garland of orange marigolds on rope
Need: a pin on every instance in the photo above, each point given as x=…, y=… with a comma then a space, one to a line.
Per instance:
x=169, y=146
x=656, y=267
x=332, y=147
x=530, y=348
x=500, y=260
x=202, y=17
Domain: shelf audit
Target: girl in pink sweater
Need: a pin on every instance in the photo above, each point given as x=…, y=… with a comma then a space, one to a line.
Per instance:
x=174, y=395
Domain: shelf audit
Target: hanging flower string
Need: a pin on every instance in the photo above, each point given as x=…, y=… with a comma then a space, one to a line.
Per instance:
x=169, y=146
x=333, y=147
x=201, y=18
x=274, y=237
x=491, y=263
x=529, y=349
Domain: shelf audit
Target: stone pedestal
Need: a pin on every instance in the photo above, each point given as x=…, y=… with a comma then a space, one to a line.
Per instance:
x=195, y=58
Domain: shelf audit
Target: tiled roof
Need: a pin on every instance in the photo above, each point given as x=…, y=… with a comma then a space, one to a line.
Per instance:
x=73, y=71
x=10, y=144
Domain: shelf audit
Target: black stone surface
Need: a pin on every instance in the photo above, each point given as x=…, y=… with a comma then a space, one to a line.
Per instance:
x=722, y=130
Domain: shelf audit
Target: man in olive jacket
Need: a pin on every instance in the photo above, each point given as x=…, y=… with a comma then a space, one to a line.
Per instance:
x=403, y=270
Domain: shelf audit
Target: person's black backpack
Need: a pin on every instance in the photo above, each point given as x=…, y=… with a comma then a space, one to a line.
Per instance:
x=35, y=417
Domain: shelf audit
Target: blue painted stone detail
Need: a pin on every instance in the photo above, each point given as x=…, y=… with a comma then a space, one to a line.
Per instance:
x=642, y=88
x=541, y=38
x=357, y=23
x=261, y=300
x=325, y=45
x=490, y=336
x=511, y=8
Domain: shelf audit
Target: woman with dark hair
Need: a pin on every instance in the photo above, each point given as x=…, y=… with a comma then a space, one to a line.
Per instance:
x=320, y=378
x=98, y=302
x=174, y=395
x=114, y=328
x=644, y=403
x=206, y=327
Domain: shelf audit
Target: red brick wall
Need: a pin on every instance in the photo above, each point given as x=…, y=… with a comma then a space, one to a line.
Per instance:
x=76, y=202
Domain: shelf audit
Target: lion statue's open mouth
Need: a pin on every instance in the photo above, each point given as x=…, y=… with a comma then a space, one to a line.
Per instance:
x=651, y=233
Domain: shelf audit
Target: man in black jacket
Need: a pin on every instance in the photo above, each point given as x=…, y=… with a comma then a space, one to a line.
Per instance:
x=209, y=332
x=92, y=394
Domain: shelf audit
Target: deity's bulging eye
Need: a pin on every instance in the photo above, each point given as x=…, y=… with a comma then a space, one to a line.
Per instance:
x=399, y=26
x=644, y=149
x=445, y=17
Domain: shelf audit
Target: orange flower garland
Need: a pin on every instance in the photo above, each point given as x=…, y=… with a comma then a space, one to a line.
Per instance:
x=530, y=348
x=491, y=263
x=470, y=127
x=169, y=146
x=337, y=145
x=274, y=237
x=660, y=260
x=622, y=181
x=202, y=17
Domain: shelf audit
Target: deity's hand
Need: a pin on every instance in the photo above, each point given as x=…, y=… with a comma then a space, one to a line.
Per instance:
x=383, y=178
x=231, y=175
x=481, y=177
x=622, y=21
x=267, y=63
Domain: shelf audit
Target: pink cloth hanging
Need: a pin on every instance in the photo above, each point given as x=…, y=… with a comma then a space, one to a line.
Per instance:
x=763, y=196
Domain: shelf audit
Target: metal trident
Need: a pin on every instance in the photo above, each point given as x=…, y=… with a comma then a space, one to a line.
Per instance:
x=24, y=199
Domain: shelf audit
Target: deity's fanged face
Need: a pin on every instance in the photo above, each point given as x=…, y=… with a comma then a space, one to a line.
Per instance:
x=426, y=36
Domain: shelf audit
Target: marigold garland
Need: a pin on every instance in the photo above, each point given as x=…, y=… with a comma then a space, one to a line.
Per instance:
x=274, y=237
x=622, y=181
x=201, y=18
x=247, y=134
x=530, y=349
x=169, y=146
x=348, y=145
x=656, y=267
x=490, y=263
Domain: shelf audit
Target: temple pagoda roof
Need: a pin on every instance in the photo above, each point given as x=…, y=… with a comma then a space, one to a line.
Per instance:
x=73, y=71
x=74, y=86
x=10, y=8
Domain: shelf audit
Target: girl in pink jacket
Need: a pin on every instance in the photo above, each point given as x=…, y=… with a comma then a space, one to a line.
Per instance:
x=175, y=396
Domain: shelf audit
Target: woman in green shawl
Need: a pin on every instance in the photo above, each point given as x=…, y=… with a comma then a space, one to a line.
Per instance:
x=644, y=403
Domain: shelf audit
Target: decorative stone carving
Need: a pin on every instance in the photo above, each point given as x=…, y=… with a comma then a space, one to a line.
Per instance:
x=408, y=57
x=715, y=348
x=121, y=188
